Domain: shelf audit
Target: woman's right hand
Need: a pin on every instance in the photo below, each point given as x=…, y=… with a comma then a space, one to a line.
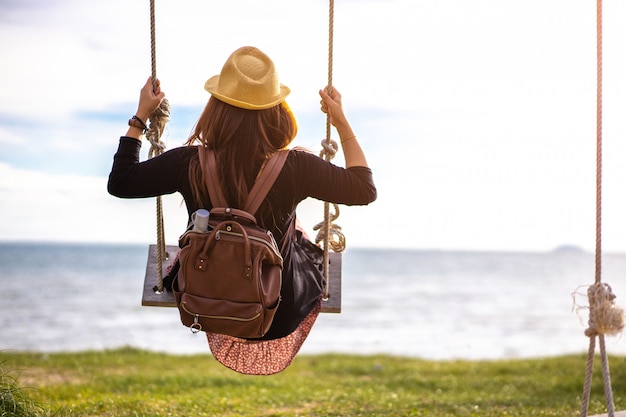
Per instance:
x=331, y=105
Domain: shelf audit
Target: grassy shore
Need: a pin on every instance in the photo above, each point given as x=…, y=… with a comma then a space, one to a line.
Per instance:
x=129, y=382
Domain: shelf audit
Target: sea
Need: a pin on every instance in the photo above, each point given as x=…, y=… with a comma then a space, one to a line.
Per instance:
x=430, y=304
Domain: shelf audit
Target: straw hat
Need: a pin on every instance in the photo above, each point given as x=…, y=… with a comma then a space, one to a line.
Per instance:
x=248, y=80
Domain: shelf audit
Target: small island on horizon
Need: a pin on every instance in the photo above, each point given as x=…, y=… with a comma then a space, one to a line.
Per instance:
x=569, y=249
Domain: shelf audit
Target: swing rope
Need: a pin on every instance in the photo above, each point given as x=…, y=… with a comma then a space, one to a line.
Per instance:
x=156, y=126
x=329, y=233
x=604, y=316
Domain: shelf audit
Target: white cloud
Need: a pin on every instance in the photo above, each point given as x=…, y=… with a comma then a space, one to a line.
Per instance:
x=478, y=117
x=53, y=207
x=8, y=136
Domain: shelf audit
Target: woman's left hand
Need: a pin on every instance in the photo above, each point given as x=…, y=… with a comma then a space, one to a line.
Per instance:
x=149, y=99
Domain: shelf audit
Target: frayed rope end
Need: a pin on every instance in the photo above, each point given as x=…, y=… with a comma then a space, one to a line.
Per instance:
x=605, y=317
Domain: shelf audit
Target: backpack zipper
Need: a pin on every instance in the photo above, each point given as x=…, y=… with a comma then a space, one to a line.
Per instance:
x=196, y=316
x=272, y=245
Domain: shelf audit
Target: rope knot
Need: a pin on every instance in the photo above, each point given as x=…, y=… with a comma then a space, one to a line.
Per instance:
x=329, y=149
x=158, y=120
x=336, y=238
x=605, y=317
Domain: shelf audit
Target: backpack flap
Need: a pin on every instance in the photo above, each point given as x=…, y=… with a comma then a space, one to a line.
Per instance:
x=227, y=227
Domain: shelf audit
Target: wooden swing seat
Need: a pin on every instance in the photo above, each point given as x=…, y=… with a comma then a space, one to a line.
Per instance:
x=166, y=299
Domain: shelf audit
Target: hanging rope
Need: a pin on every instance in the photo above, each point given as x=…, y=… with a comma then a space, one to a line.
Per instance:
x=598, y=275
x=329, y=233
x=604, y=316
x=156, y=126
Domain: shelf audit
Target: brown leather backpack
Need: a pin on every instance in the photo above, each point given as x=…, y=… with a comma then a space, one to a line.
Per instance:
x=230, y=275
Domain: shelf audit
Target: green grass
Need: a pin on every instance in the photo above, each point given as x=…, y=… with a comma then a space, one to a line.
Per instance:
x=129, y=382
x=15, y=400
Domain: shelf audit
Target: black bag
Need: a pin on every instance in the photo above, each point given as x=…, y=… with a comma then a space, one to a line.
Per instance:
x=303, y=282
x=229, y=279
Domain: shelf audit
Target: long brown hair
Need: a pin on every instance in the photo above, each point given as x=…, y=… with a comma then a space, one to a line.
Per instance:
x=242, y=141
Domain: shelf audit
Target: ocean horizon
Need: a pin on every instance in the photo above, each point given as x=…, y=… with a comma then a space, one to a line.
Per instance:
x=430, y=304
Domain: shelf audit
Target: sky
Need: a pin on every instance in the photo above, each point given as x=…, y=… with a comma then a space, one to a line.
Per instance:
x=478, y=117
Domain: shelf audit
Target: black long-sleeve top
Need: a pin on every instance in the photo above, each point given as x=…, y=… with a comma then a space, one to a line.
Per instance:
x=303, y=175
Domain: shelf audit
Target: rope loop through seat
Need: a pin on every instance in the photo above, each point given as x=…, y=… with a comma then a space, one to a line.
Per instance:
x=157, y=122
x=329, y=234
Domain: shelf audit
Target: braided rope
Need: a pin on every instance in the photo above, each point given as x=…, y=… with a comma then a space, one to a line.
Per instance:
x=598, y=259
x=156, y=126
x=330, y=234
x=584, y=408
x=606, y=377
x=601, y=299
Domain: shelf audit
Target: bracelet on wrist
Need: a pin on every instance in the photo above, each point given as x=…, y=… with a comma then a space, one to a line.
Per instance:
x=348, y=138
x=138, y=123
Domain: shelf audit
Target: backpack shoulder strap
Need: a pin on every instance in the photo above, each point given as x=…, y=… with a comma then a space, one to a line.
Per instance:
x=211, y=177
x=261, y=187
x=265, y=180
